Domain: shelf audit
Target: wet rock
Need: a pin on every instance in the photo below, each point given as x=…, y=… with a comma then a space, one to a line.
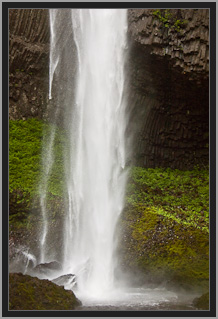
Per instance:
x=44, y=268
x=68, y=281
x=20, y=259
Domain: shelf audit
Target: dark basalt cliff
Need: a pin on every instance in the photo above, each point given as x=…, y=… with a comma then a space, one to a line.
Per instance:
x=169, y=86
x=183, y=37
x=28, y=64
x=168, y=72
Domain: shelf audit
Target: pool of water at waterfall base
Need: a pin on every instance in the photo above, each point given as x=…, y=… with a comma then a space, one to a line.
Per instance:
x=137, y=299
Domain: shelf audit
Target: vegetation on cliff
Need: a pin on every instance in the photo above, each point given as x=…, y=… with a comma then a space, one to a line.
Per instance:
x=25, y=169
x=169, y=20
x=165, y=226
x=182, y=196
x=165, y=223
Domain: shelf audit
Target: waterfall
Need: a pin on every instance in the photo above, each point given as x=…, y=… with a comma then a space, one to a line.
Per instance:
x=87, y=59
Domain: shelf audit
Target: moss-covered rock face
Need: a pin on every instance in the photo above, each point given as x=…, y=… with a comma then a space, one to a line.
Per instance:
x=26, y=168
x=164, y=227
x=25, y=162
x=31, y=293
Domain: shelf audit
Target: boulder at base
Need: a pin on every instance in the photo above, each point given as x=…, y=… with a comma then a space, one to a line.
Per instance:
x=202, y=302
x=31, y=293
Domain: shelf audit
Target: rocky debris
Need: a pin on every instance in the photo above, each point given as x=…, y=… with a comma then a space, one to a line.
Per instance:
x=31, y=293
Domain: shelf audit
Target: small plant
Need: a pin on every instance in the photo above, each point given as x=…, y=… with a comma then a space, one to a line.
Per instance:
x=168, y=20
x=163, y=16
x=178, y=24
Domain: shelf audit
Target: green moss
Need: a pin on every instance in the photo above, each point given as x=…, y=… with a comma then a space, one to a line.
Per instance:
x=31, y=293
x=168, y=20
x=165, y=221
x=166, y=224
x=145, y=224
x=26, y=167
x=202, y=302
x=179, y=195
x=24, y=151
x=25, y=147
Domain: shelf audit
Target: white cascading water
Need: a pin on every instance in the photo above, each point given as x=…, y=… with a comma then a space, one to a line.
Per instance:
x=96, y=180
x=95, y=175
x=48, y=143
x=87, y=60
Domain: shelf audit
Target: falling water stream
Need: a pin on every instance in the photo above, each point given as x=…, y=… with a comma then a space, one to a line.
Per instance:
x=95, y=173
x=96, y=179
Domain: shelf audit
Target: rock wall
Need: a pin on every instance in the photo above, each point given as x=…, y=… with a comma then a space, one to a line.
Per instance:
x=169, y=87
x=180, y=34
x=168, y=91
x=28, y=62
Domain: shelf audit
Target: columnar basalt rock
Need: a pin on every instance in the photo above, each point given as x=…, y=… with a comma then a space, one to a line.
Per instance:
x=169, y=87
x=28, y=63
x=180, y=34
x=168, y=72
